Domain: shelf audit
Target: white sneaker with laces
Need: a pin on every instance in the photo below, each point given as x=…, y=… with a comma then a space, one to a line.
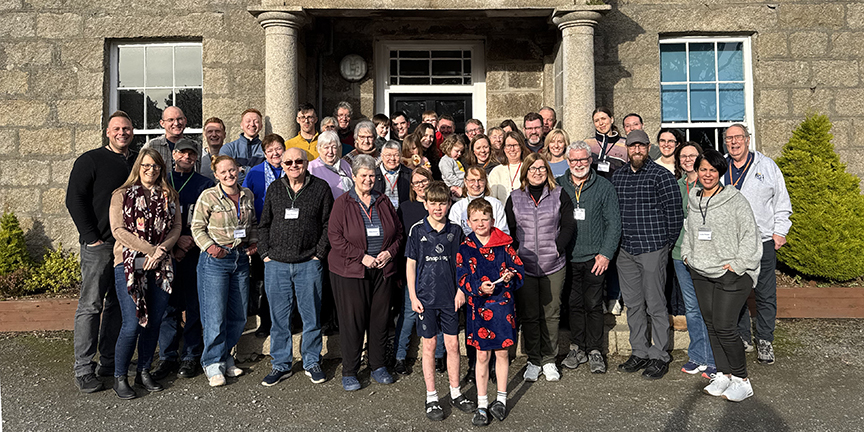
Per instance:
x=718, y=384
x=738, y=390
x=551, y=372
x=532, y=372
x=617, y=309
x=216, y=380
x=233, y=371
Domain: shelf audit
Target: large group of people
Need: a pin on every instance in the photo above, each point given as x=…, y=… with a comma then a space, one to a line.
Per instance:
x=373, y=226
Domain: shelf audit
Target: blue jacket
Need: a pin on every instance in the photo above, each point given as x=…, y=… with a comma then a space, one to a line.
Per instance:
x=247, y=154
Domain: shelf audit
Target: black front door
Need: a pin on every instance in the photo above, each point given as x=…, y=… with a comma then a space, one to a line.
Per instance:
x=413, y=105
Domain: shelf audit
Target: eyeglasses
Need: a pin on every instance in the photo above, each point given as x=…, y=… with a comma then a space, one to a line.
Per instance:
x=474, y=181
x=310, y=119
x=511, y=146
x=689, y=156
x=580, y=161
x=420, y=183
x=148, y=167
x=475, y=130
x=289, y=163
x=540, y=169
x=365, y=137
x=640, y=145
x=736, y=138
x=662, y=141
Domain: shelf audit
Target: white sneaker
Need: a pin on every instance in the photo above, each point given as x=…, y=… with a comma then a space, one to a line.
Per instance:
x=718, y=384
x=551, y=372
x=532, y=372
x=234, y=371
x=216, y=380
x=738, y=390
x=617, y=309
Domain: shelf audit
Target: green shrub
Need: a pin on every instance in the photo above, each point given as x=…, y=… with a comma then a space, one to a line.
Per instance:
x=13, y=249
x=827, y=234
x=58, y=272
x=12, y=284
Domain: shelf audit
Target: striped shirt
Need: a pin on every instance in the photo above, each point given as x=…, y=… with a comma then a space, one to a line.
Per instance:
x=215, y=219
x=370, y=221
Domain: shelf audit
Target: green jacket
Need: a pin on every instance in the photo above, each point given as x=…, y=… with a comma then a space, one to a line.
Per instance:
x=600, y=232
x=682, y=184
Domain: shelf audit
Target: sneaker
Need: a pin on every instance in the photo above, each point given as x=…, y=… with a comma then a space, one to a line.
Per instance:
x=596, y=363
x=551, y=372
x=316, y=374
x=216, y=380
x=481, y=417
x=275, y=376
x=498, y=410
x=709, y=372
x=400, y=367
x=350, y=383
x=574, y=358
x=188, y=369
x=532, y=372
x=617, y=309
x=105, y=371
x=748, y=347
x=164, y=369
x=655, y=369
x=434, y=411
x=382, y=376
x=765, y=352
x=738, y=390
x=89, y=383
x=693, y=368
x=464, y=404
x=633, y=364
x=233, y=371
x=440, y=365
x=717, y=385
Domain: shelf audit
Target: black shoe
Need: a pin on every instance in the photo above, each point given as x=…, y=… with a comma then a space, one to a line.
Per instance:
x=498, y=410
x=262, y=332
x=400, y=367
x=434, y=411
x=471, y=376
x=440, y=365
x=634, y=364
x=188, y=369
x=105, y=371
x=89, y=383
x=655, y=370
x=123, y=389
x=144, y=379
x=481, y=417
x=165, y=368
x=464, y=404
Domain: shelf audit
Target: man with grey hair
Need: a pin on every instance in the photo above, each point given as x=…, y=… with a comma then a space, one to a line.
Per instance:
x=598, y=225
x=549, y=119
x=364, y=142
x=760, y=181
x=392, y=178
x=343, y=113
x=173, y=121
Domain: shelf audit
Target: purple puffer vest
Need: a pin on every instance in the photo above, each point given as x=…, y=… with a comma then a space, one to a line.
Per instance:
x=537, y=227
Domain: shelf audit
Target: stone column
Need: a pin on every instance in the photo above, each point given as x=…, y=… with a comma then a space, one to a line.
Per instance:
x=280, y=73
x=577, y=47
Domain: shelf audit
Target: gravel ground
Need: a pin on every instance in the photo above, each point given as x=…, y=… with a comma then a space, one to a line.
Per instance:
x=795, y=394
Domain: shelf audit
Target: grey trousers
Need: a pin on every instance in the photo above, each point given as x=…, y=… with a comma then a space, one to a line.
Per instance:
x=643, y=278
x=97, y=302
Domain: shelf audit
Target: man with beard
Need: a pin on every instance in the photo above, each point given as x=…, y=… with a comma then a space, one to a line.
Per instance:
x=652, y=216
x=533, y=129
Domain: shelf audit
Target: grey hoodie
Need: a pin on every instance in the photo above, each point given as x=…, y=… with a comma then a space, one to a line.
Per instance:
x=734, y=240
x=765, y=189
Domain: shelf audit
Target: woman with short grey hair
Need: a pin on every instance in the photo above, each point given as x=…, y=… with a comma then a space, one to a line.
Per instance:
x=364, y=142
x=329, y=167
x=328, y=124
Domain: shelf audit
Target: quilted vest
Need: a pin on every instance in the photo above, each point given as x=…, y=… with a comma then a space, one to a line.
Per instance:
x=537, y=227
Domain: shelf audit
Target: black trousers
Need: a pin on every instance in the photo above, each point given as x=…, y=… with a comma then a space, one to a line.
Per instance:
x=721, y=300
x=586, y=306
x=363, y=306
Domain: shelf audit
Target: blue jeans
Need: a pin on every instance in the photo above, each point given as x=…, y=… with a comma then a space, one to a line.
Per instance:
x=404, y=327
x=98, y=318
x=223, y=293
x=183, y=298
x=700, y=347
x=284, y=282
x=130, y=331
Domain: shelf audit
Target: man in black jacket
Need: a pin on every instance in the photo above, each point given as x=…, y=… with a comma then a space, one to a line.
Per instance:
x=94, y=177
x=392, y=178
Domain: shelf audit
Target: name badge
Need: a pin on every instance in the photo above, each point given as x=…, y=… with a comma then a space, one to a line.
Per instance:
x=603, y=166
x=139, y=263
x=239, y=233
x=292, y=213
x=579, y=213
x=373, y=232
x=705, y=234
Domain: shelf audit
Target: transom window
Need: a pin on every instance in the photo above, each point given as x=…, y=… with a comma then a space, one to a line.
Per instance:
x=146, y=78
x=430, y=67
x=706, y=85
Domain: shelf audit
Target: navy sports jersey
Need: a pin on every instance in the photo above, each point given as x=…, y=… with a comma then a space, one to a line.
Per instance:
x=435, y=253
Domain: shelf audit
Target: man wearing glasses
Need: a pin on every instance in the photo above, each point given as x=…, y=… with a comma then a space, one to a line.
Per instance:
x=473, y=127
x=760, y=181
x=174, y=122
x=307, y=138
x=533, y=127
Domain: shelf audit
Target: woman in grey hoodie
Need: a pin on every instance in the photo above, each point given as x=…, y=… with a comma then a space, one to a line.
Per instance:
x=722, y=249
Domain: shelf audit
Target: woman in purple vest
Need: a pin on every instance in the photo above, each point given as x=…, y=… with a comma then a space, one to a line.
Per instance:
x=541, y=219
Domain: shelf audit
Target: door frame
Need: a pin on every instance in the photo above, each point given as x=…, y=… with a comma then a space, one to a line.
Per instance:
x=477, y=88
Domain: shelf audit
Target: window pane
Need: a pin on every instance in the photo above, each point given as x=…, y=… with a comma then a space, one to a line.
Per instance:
x=187, y=69
x=394, y=54
x=132, y=101
x=701, y=62
x=394, y=68
x=394, y=80
x=446, y=54
x=673, y=101
x=730, y=61
x=416, y=81
x=703, y=102
x=189, y=100
x=138, y=141
x=130, y=67
x=414, y=67
x=159, y=64
x=447, y=67
x=466, y=68
x=441, y=81
x=466, y=80
x=414, y=54
x=706, y=137
x=731, y=102
x=157, y=101
x=466, y=54
x=672, y=63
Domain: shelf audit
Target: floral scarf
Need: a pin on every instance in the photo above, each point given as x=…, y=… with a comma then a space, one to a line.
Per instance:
x=151, y=223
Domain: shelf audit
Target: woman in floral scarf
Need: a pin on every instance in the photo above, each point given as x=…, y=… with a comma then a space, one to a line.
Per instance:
x=145, y=226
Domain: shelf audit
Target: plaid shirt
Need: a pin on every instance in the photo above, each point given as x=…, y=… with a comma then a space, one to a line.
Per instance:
x=651, y=209
x=215, y=219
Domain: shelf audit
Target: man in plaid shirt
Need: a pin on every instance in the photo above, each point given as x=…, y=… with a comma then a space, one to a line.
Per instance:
x=651, y=217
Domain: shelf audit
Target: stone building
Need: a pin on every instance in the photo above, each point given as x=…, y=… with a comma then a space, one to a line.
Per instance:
x=699, y=65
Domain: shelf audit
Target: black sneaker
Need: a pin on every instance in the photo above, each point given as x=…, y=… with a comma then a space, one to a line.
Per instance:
x=574, y=358
x=440, y=365
x=634, y=364
x=434, y=411
x=89, y=383
x=464, y=404
x=471, y=376
x=274, y=377
x=498, y=410
x=400, y=367
x=164, y=369
x=188, y=369
x=481, y=417
x=655, y=370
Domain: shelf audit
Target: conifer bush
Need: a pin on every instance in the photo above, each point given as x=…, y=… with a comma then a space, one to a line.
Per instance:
x=827, y=235
x=13, y=249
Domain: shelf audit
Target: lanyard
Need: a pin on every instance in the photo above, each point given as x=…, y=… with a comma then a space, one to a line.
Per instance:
x=688, y=185
x=579, y=192
x=536, y=203
x=368, y=213
x=743, y=173
x=392, y=184
x=604, y=148
x=294, y=199
x=232, y=202
x=184, y=183
x=705, y=213
x=513, y=179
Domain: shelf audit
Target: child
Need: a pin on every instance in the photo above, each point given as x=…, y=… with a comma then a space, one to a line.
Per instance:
x=488, y=272
x=452, y=171
x=412, y=153
x=382, y=126
x=431, y=117
x=431, y=275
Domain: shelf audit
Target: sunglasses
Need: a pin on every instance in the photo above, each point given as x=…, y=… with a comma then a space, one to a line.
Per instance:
x=289, y=163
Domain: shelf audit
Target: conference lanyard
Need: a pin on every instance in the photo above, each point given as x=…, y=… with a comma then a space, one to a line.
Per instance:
x=184, y=183
x=705, y=213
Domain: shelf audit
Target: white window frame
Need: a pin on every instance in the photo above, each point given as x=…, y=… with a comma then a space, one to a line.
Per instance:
x=113, y=77
x=477, y=88
x=749, y=110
